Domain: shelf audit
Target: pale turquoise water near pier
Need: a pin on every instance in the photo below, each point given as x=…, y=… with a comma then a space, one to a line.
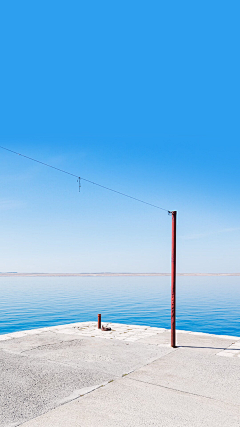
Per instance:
x=204, y=304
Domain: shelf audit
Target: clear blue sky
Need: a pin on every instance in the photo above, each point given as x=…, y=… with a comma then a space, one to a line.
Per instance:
x=139, y=96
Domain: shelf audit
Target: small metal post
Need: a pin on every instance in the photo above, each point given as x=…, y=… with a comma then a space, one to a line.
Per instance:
x=173, y=281
x=99, y=321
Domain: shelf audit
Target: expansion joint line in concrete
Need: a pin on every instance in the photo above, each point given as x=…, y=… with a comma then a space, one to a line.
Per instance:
x=233, y=342
x=64, y=403
x=184, y=392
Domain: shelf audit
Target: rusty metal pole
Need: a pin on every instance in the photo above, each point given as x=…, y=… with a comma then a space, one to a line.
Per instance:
x=99, y=321
x=173, y=281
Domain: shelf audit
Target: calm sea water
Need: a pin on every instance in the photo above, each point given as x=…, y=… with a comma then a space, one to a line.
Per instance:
x=204, y=304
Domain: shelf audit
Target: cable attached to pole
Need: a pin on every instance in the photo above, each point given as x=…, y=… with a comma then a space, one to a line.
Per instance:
x=87, y=180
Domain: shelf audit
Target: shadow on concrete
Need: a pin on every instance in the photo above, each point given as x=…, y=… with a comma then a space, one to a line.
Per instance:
x=211, y=348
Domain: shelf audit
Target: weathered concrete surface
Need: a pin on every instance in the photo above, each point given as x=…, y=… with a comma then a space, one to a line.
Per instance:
x=44, y=373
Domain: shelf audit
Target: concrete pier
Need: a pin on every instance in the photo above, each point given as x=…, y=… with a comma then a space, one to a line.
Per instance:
x=78, y=376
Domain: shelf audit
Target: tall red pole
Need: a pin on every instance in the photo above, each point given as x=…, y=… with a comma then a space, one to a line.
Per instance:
x=173, y=281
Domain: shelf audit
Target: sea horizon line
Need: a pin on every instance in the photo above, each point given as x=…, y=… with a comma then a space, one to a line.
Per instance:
x=106, y=274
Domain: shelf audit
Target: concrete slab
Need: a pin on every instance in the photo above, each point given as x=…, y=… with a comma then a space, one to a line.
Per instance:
x=41, y=371
x=131, y=376
x=130, y=403
x=192, y=371
x=30, y=387
x=85, y=352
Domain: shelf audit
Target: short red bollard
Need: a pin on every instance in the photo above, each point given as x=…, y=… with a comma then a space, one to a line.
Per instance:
x=99, y=321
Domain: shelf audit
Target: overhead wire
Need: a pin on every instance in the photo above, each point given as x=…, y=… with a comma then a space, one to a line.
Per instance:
x=84, y=179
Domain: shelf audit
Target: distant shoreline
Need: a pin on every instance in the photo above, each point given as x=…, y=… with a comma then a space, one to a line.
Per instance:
x=9, y=274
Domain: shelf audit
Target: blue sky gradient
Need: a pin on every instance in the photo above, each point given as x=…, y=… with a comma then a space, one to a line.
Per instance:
x=139, y=96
